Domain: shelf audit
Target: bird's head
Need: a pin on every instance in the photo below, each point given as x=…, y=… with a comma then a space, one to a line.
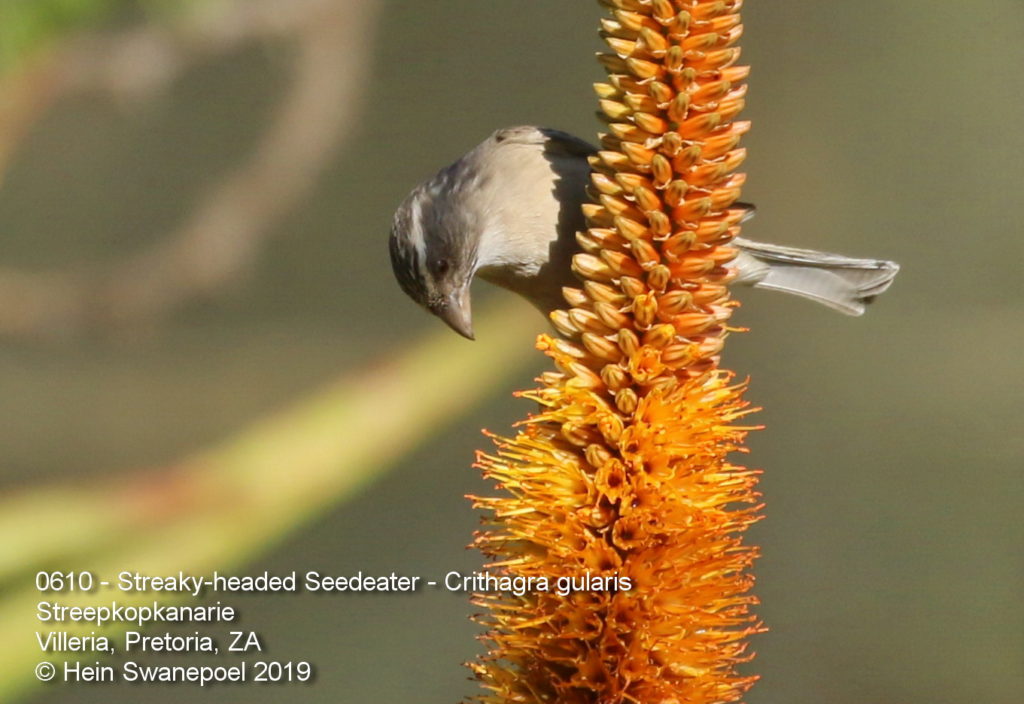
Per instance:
x=434, y=246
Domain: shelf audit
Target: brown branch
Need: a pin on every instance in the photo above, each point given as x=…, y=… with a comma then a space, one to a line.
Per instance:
x=229, y=224
x=23, y=98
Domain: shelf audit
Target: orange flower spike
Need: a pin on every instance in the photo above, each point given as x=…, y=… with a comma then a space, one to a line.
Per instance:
x=621, y=483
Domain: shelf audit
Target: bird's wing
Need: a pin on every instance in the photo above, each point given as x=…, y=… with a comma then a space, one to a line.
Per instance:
x=555, y=142
x=563, y=143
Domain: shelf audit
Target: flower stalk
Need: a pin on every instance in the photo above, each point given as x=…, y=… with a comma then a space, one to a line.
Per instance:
x=623, y=481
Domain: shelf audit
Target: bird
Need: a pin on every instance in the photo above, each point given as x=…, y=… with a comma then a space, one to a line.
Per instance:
x=509, y=210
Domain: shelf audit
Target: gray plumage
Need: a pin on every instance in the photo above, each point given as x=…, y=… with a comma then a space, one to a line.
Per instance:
x=842, y=283
x=509, y=211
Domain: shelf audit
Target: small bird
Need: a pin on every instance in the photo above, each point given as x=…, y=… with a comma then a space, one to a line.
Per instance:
x=510, y=209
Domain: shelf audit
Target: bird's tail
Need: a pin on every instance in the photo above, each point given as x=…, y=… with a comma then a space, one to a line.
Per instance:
x=839, y=282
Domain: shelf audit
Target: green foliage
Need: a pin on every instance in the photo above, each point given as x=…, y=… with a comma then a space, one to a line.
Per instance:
x=29, y=25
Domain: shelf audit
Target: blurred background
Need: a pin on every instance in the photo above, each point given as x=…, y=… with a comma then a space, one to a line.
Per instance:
x=194, y=205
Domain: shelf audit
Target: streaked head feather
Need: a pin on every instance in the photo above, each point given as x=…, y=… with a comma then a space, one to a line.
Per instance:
x=434, y=238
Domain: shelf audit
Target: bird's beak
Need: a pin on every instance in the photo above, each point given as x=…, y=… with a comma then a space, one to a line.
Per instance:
x=456, y=312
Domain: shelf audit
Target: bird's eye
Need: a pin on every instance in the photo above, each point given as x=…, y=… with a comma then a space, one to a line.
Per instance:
x=442, y=266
